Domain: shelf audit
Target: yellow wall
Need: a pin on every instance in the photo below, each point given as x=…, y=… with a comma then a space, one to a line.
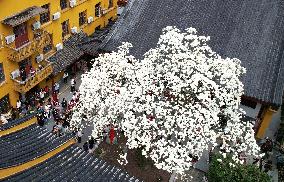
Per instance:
x=10, y=7
x=267, y=118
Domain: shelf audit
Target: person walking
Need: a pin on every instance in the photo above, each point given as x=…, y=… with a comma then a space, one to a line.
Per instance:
x=65, y=77
x=73, y=83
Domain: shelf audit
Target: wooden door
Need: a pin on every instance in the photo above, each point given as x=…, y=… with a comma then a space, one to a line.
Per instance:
x=21, y=35
x=25, y=65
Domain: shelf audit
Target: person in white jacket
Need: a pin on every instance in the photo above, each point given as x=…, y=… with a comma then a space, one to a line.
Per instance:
x=3, y=119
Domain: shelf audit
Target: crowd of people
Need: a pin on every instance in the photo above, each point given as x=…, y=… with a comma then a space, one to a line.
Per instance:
x=59, y=112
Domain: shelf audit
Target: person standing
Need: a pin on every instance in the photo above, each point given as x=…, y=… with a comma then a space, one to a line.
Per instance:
x=91, y=142
x=32, y=70
x=64, y=104
x=65, y=77
x=54, y=97
x=46, y=90
x=41, y=95
x=56, y=87
x=79, y=136
x=23, y=75
x=19, y=106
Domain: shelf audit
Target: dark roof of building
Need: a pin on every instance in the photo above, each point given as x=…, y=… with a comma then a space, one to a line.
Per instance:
x=12, y=123
x=29, y=143
x=91, y=44
x=23, y=16
x=68, y=55
x=76, y=46
x=250, y=30
x=73, y=164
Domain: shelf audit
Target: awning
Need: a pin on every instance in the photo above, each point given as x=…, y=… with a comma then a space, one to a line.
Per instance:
x=23, y=16
x=67, y=56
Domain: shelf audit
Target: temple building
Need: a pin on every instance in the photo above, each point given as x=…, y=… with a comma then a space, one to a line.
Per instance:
x=37, y=42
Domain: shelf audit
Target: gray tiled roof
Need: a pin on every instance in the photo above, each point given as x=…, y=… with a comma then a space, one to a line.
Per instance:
x=15, y=122
x=250, y=30
x=27, y=144
x=23, y=16
x=76, y=46
x=73, y=164
x=66, y=56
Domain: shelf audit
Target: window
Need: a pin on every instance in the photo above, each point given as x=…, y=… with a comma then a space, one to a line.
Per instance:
x=248, y=103
x=63, y=4
x=82, y=18
x=2, y=75
x=48, y=48
x=4, y=104
x=45, y=17
x=98, y=10
x=98, y=28
x=110, y=3
x=65, y=28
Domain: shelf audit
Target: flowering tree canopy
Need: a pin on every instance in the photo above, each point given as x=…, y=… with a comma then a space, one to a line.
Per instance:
x=182, y=98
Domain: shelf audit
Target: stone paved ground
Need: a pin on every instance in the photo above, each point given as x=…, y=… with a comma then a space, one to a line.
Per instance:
x=65, y=92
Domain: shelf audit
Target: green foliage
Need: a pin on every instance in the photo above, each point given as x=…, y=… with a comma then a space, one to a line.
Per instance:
x=141, y=160
x=223, y=171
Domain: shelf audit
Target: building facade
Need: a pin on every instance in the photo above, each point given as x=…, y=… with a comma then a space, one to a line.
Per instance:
x=33, y=31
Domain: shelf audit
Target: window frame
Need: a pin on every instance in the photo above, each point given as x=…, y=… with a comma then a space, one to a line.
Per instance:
x=65, y=28
x=98, y=10
x=2, y=73
x=83, y=19
x=110, y=3
x=63, y=4
x=45, y=17
x=2, y=107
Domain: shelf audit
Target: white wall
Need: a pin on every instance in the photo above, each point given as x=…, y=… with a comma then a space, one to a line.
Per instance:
x=250, y=111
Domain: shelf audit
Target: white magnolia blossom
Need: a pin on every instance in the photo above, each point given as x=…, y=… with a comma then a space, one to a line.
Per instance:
x=179, y=100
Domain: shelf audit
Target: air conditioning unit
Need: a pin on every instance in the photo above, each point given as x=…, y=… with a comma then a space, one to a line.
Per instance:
x=39, y=58
x=59, y=46
x=56, y=15
x=74, y=30
x=72, y=3
x=10, y=39
x=36, y=25
x=104, y=11
x=15, y=74
x=90, y=19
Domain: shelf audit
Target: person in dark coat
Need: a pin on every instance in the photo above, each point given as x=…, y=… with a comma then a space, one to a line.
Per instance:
x=64, y=104
x=86, y=147
x=91, y=143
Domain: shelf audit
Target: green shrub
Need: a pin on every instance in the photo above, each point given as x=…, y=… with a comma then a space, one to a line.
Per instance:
x=224, y=172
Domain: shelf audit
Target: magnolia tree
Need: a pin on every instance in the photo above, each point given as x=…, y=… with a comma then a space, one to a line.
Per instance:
x=182, y=98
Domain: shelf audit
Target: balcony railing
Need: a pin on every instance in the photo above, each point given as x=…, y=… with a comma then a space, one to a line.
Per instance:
x=31, y=81
x=30, y=48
